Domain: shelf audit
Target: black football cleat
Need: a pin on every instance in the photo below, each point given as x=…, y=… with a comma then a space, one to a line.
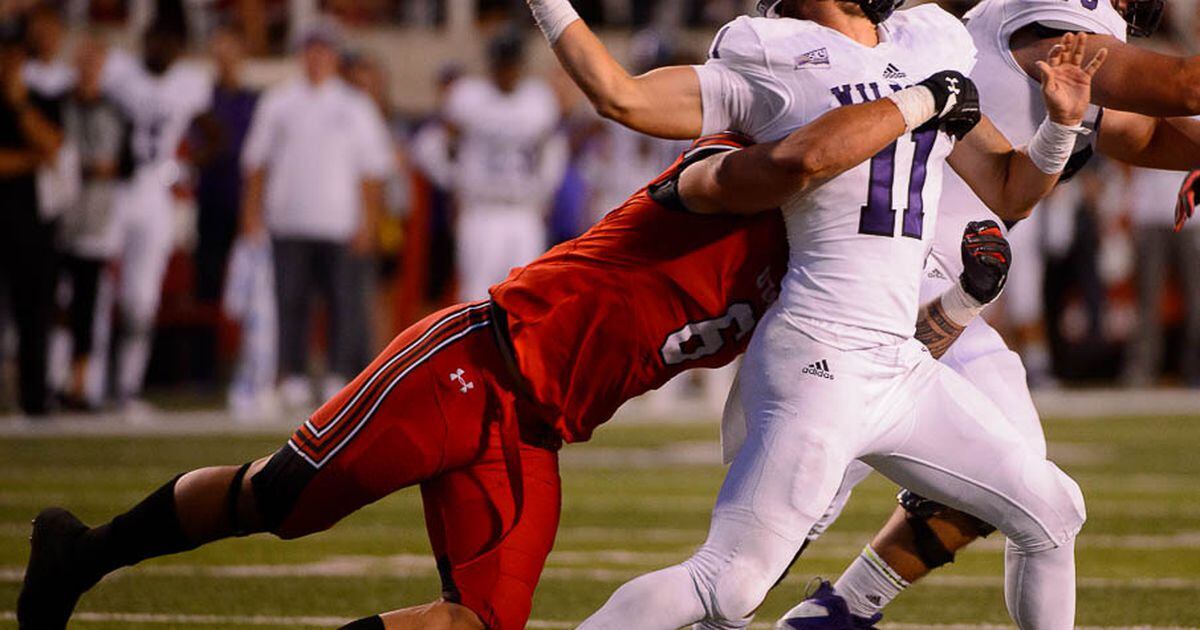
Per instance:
x=53, y=579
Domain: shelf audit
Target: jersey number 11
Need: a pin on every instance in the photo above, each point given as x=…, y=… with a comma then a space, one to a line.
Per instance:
x=879, y=215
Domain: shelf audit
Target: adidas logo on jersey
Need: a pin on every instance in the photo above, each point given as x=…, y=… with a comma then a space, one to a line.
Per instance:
x=892, y=72
x=818, y=58
x=936, y=274
x=819, y=369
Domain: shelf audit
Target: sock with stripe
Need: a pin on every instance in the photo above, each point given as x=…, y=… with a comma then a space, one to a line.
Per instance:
x=869, y=584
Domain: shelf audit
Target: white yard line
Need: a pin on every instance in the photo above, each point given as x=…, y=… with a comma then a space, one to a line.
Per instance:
x=540, y=624
x=574, y=565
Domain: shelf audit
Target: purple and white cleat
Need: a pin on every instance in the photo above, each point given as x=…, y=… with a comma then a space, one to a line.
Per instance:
x=824, y=609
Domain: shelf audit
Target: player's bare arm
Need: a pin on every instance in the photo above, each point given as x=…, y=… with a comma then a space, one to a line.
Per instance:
x=1134, y=79
x=986, y=258
x=665, y=102
x=1011, y=181
x=768, y=175
x=1166, y=143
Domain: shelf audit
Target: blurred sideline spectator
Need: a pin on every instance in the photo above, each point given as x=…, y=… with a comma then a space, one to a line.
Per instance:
x=215, y=146
x=89, y=238
x=508, y=161
x=29, y=139
x=1161, y=255
x=1071, y=238
x=315, y=158
x=368, y=75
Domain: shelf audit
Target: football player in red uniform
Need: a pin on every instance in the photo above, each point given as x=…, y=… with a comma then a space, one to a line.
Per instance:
x=472, y=403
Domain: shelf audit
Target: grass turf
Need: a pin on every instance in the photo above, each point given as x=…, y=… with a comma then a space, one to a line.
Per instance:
x=632, y=503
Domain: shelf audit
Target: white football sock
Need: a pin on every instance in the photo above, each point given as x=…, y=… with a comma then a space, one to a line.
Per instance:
x=664, y=599
x=1039, y=588
x=869, y=584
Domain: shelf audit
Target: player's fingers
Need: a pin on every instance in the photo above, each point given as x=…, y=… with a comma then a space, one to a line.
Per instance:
x=1054, y=57
x=1077, y=52
x=1045, y=69
x=1096, y=62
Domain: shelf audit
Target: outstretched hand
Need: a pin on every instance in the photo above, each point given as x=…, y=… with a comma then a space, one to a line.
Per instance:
x=1066, y=82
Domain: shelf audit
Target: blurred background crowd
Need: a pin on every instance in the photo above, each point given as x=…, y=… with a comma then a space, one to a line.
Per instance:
x=240, y=201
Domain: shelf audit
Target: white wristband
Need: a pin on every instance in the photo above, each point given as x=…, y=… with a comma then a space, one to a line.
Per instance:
x=1052, y=145
x=916, y=105
x=959, y=306
x=553, y=17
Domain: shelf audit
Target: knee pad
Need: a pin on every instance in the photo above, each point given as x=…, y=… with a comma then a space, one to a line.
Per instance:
x=277, y=489
x=930, y=548
x=233, y=498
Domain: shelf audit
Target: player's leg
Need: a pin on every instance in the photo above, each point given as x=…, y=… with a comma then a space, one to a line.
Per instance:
x=388, y=429
x=801, y=435
x=921, y=536
x=960, y=452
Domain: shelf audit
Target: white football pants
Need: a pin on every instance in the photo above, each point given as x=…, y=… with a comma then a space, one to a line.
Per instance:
x=906, y=415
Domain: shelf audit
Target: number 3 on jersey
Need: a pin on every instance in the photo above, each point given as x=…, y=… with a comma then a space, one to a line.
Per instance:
x=879, y=215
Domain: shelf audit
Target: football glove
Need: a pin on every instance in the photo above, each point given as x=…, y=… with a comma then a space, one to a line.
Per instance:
x=1185, y=206
x=986, y=257
x=956, y=101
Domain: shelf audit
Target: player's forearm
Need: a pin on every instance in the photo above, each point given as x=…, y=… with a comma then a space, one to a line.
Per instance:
x=664, y=103
x=1170, y=144
x=766, y=176
x=1138, y=80
x=1025, y=184
x=936, y=330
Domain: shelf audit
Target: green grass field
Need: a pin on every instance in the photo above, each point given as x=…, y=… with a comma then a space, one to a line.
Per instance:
x=637, y=498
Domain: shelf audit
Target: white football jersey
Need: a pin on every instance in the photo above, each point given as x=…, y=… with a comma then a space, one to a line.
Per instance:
x=858, y=243
x=509, y=152
x=160, y=108
x=1010, y=98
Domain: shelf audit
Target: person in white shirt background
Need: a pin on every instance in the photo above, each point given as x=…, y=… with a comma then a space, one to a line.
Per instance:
x=315, y=159
x=509, y=159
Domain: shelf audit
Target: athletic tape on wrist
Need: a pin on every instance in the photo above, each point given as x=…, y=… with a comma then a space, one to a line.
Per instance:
x=1052, y=145
x=916, y=105
x=959, y=306
x=553, y=17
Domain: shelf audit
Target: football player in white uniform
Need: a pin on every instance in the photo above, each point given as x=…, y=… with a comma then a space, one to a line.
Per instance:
x=509, y=162
x=161, y=97
x=1010, y=35
x=834, y=373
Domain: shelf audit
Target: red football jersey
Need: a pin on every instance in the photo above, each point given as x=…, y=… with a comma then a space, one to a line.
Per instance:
x=650, y=291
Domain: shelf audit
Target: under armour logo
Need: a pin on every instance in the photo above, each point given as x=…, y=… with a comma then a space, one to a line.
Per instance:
x=464, y=385
x=952, y=85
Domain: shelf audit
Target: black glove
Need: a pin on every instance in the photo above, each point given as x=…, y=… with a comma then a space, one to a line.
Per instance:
x=956, y=101
x=1186, y=204
x=986, y=257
